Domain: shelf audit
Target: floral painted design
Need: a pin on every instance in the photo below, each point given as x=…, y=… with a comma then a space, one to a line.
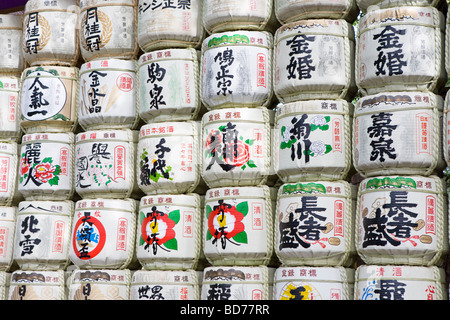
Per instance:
x=39, y=172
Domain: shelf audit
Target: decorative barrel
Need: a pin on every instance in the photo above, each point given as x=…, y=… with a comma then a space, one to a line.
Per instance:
x=107, y=97
x=8, y=173
x=236, y=69
x=11, y=43
x=42, y=234
x=315, y=224
x=312, y=140
x=225, y=15
x=37, y=285
x=48, y=101
x=367, y=5
x=401, y=49
x=5, y=279
x=168, y=157
x=288, y=11
x=100, y=284
x=108, y=29
x=313, y=283
x=50, y=32
x=235, y=283
x=103, y=233
x=446, y=130
x=314, y=59
x=236, y=147
x=167, y=25
x=46, y=169
x=105, y=163
x=7, y=229
x=373, y=282
x=402, y=220
x=168, y=234
x=238, y=226
x=10, y=111
x=169, y=85
x=164, y=285
x=398, y=133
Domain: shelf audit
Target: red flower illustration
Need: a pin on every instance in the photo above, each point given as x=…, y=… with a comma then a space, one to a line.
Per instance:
x=214, y=138
x=44, y=172
x=157, y=228
x=237, y=154
x=225, y=221
x=24, y=166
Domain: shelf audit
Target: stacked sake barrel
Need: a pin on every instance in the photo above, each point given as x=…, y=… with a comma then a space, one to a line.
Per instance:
x=401, y=215
x=314, y=83
x=236, y=89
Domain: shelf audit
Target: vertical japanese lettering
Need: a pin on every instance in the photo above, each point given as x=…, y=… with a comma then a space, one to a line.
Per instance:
x=390, y=54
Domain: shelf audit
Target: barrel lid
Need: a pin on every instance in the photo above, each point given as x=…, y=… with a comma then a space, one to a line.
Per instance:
x=170, y=128
x=108, y=64
x=239, y=38
x=168, y=54
x=313, y=274
x=257, y=274
x=430, y=184
x=189, y=200
x=236, y=192
x=178, y=277
x=46, y=207
x=117, y=276
x=418, y=273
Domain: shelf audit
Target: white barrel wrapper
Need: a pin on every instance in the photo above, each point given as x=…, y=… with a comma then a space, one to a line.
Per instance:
x=37, y=285
x=11, y=43
x=236, y=69
x=313, y=283
x=165, y=285
x=4, y=284
x=401, y=220
x=10, y=110
x=398, y=133
x=46, y=169
x=314, y=59
x=374, y=282
x=103, y=233
x=8, y=173
x=168, y=234
x=401, y=49
x=107, y=97
x=7, y=229
x=238, y=226
x=235, y=283
x=367, y=5
x=169, y=85
x=50, y=32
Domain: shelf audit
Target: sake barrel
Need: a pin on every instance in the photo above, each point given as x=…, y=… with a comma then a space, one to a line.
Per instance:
x=398, y=133
x=164, y=285
x=236, y=147
x=4, y=284
x=50, y=32
x=374, y=282
x=367, y=5
x=235, y=283
x=314, y=59
x=313, y=283
x=8, y=173
x=238, y=226
x=48, y=99
x=169, y=25
x=401, y=220
x=168, y=157
x=401, y=49
x=7, y=229
x=314, y=224
x=288, y=11
x=37, y=285
x=107, y=98
x=46, y=169
x=103, y=233
x=169, y=85
x=42, y=234
x=220, y=15
x=11, y=43
x=105, y=163
x=312, y=140
x=168, y=235
x=446, y=130
x=236, y=69
x=108, y=29
x=99, y=284
x=10, y=111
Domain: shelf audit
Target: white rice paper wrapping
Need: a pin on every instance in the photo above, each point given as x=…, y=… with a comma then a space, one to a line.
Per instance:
x=10, y=110
x=7, y=230
x=169, y=25
x=402, y=220
x=387, y=282
x=165, y=285
x=169, y=85
x=108, y=29
x=37, y=285
x=4, y=284
x=401, y=49
x=446, y=130
x=236, y=69
x=107, y=98
x=168, y=235
x=11, y=43
x=313, y=283
x=50, y=32
x=42, y=234
x=398, y=133
x=8, y=173
x=368, y=5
